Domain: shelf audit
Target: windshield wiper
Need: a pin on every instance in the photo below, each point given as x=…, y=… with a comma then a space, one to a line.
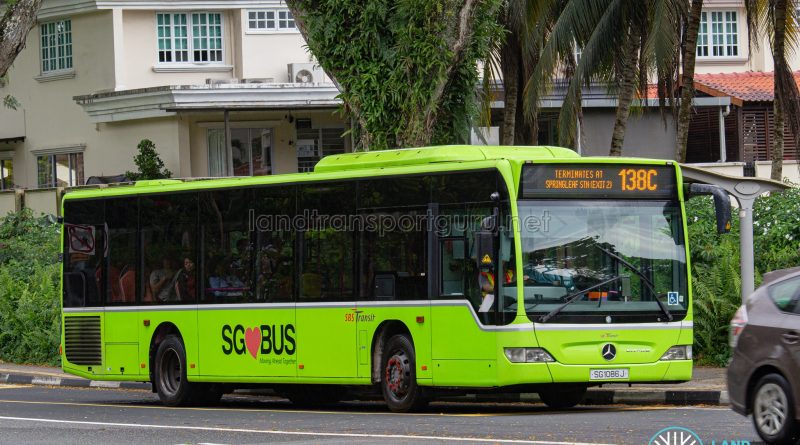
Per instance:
x=641, y=275
x=574, y=297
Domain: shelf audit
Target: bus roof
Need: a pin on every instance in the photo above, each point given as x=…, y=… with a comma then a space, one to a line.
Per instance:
x=430, y=155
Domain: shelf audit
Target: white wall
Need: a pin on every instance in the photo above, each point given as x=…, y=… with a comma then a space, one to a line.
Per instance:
x=645, y=136
x=268, y=54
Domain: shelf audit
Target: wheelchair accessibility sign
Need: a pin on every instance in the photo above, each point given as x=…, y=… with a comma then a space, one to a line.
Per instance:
x=672, y=298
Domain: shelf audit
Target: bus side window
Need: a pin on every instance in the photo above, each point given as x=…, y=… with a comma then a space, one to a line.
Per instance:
x=170, y=251
x=83, y=252
x=227, y=247
x=122, y=221
x=327, y=246
x=393, y=239
x=274, y=251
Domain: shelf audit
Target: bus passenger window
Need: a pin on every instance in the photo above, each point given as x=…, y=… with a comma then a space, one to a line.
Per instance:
x=327, y=255
x=168, y=238
x=393, y=238
x=83, y=252
x=122, y=220
x=227, y=247
x=274, y=253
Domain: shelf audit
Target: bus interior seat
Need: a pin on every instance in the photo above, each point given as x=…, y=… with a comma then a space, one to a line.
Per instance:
x=75, y=284
x=311, y=285
x=384, y=286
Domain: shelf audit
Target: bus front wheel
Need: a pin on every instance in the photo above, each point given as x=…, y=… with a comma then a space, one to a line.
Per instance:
x=399, y=376
x=172, y=386
x=562, y=398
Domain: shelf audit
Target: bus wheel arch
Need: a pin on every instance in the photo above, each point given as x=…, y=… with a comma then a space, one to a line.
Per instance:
x=163, y=331
x=386, y=330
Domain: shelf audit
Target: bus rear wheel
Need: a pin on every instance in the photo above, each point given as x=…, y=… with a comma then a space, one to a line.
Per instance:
x=399, y=376
x=562, y=397
x=172, y=386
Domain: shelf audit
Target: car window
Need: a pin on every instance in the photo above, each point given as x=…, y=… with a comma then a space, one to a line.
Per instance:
x=786, y=295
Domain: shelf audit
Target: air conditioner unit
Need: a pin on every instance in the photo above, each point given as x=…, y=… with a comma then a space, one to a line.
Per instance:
x=221, y=81
x=306, y=72
x=258, y=80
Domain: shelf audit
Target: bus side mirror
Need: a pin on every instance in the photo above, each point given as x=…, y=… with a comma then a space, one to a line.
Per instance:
x=722, y=203
x=484, y=247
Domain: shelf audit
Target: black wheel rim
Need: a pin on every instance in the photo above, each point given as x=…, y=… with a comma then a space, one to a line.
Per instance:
x=170, y=372
x=397, y=376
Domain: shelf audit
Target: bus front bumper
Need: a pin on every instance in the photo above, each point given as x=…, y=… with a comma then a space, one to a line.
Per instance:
x=660, y=371
x=554, y=372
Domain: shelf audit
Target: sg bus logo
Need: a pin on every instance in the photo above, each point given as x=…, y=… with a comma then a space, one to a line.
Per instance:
x=266, y=339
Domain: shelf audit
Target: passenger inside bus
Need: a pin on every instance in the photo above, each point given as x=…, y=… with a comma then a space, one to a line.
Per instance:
x=184, y=281
x=160, y=278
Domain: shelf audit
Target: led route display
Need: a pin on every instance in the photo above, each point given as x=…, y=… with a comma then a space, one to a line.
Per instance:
x=598, y=181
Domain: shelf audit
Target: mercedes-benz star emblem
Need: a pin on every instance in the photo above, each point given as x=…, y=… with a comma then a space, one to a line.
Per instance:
x=609, y=352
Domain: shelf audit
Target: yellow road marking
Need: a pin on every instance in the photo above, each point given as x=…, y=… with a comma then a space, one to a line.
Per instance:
x=541, y=411
x=9, y=386
x=49, y=374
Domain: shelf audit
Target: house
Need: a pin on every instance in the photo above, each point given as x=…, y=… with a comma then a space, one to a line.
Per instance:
x=221, y=87
x=733, y=87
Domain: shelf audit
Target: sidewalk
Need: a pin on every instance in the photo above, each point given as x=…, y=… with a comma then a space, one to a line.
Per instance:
x=706, y=388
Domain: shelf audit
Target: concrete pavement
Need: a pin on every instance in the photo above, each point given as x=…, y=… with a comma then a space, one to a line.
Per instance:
x=706, y=388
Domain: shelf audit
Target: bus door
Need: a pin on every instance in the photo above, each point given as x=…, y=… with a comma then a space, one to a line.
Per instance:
x=463, y=344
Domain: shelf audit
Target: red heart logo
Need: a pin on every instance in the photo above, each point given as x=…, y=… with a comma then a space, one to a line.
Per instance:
x=252, y=338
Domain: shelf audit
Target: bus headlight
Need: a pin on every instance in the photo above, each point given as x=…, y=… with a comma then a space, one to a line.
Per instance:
x=528, y=355
x=678, y=353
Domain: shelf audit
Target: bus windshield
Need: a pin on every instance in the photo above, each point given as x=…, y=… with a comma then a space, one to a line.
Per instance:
x=625, y=254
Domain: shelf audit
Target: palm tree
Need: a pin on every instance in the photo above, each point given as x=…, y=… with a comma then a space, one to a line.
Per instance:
x=687, y=77
x=623, y=42
x=781, y=27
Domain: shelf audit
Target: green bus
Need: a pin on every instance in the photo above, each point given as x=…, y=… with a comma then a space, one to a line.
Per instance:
x=405, y=272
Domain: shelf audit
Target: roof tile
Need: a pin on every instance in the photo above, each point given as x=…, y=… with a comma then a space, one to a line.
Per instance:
x=749, y=86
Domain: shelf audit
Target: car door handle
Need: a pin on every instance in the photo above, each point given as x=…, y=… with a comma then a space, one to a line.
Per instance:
x=791, y=337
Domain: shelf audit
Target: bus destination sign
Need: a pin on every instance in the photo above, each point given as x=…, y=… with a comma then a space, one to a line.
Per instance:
x=598, y=181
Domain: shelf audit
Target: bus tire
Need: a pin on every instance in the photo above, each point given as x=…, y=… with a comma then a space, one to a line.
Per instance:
x=171, y=384
x=399, y=376
x=562, y=397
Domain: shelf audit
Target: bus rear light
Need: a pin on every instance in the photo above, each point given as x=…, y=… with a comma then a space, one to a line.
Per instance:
x=737, y=325
x=146, y=323
x=420, y=319
x=528, y=355
x=683, y=352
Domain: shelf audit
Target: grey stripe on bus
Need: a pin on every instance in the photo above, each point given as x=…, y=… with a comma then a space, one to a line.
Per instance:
x=366, y=304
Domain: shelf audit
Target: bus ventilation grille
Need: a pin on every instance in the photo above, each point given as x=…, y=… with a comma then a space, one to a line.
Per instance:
x=82, y=340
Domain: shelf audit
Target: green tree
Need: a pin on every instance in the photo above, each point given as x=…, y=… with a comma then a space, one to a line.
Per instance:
x=149, y=163
x=406, y=69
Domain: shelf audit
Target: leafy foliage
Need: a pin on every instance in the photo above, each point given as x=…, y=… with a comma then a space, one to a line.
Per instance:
x=29, y=299
x=715, y=263
x=149, y=163
x=407, y=68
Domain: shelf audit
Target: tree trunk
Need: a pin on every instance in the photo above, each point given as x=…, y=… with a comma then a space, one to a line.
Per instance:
x=779, y=58
x=15, y=24
x=687, y=78
x=510, y=55
x=626, y=91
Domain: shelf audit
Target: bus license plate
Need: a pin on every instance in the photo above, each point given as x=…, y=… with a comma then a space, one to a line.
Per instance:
x=608, y=374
